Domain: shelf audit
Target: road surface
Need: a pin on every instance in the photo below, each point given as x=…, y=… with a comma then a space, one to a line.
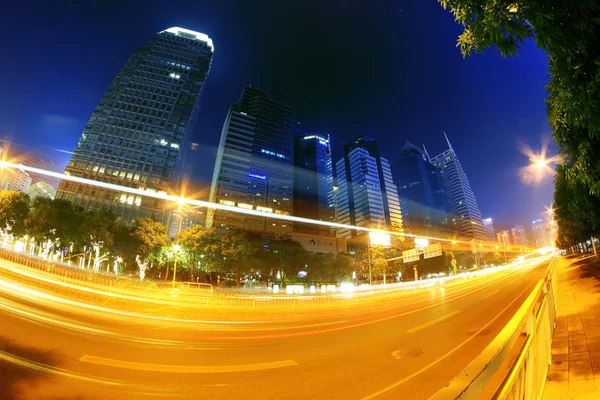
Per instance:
x=58, y=345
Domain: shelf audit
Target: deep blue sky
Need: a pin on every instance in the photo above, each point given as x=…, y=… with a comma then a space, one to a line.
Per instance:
x=389, y=69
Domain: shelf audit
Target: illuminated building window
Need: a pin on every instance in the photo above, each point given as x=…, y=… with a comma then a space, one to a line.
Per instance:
x=227, y=202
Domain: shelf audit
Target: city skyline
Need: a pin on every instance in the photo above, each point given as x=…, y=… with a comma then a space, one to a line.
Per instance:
x=331, y=113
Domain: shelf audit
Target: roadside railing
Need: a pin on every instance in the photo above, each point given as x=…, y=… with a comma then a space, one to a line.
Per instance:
x=132, y=289
x=515, y=364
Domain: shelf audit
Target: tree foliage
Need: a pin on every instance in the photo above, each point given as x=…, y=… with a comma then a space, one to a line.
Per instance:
x=149, y=237
x=577, y=213
x=55, y=221
x=568, y=31
x=200, y=246
x=14, y=210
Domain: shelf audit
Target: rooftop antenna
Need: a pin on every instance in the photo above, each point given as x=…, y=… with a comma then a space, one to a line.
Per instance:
x=447, y=141
x=426, y=153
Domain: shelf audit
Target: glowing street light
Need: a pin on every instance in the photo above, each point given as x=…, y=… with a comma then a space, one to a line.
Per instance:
x=540, y=165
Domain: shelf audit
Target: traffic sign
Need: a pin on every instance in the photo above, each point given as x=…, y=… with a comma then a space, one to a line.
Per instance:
x=410, y=255
x=434, y=250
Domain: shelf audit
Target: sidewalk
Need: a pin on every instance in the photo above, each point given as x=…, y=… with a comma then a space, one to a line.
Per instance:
x=575, y=369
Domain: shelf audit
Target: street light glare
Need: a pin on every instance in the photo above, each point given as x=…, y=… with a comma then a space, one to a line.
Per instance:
x=540, y=165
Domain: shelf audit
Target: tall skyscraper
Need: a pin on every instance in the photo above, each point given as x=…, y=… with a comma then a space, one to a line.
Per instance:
x=138, y=133
x=255, y=165
x=541, y=233
x=13, y=179
x=367, y=195
x=420, y=190
x=518, y=236
x=488, y=224
x=313, y=183
x=460, y=200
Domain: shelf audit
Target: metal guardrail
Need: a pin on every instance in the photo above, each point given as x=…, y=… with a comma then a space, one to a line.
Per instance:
x=515, y=364
x=125, y=287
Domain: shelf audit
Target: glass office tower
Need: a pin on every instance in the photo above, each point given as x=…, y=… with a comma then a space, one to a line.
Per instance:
x=138, y=133
x=313, y=183
x=460, y=200
x=420, y=190
x=254, y=169
x=367, y=195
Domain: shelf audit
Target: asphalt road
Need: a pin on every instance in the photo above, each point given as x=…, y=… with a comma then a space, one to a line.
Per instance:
x=59, y=345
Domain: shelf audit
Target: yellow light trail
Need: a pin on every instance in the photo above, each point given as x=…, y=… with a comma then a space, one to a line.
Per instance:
x=206, y=204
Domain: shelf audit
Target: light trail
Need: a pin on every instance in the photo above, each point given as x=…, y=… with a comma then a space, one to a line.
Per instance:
x=208, y=204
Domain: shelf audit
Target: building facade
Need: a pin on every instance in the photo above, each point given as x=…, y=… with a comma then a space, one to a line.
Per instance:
x=313, y=183
x=504, y=238
x=460, y=199
x=254, y=169
x=14, y=179
x=366, y=195
x=41, y=189
x=541, y=233
x=518, y=236
x=488, y=224
x=138, y=133
x=420, y=190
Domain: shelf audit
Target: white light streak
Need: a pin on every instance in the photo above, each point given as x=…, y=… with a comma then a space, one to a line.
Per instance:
x=200, y=203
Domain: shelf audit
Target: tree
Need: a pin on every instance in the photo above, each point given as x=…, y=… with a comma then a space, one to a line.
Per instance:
x=320, y=267
x=236, y=251
x=124, y=244
x=14, y=210
x=342, y=267
x=567, y=31
x=56, y=222
x=200, y=246
x=289, y=258
x=97, y=234
x=150, y=236
x=577, y=214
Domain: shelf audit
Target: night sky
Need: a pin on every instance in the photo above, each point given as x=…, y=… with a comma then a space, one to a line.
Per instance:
x=389, y=69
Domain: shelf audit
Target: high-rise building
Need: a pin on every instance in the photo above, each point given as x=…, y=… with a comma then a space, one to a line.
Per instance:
x=460, y=200
x=504, y=238
x=41, y=163
x=488, y=224
x=41, y=189
x=518, y=235
x=541, y=233
x=13, y=179
x=420, y=190
x=367, y=195
x=313, y=183
x=254, y=169
x=139, y=131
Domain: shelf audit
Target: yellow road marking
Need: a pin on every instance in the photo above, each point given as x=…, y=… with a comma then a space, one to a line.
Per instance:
x=186, y=369
x=435, y=321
